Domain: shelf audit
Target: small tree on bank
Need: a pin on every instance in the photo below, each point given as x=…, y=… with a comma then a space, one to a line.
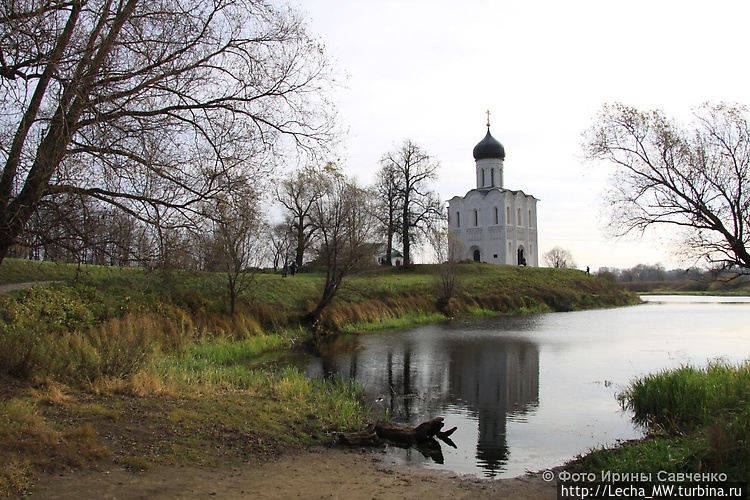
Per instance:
x=559, y=258
x=235, y=239
x=343, y=216
x=447, y=249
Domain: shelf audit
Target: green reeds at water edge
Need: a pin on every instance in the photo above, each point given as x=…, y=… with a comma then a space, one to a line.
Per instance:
x=697, y=420
x=689, y=397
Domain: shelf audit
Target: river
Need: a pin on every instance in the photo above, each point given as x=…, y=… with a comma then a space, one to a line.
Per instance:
x=531, y=392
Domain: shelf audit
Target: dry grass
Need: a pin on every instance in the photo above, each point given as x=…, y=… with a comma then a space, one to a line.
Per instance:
x=28, y=442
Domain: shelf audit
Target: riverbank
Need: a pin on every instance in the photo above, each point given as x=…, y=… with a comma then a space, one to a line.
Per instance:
x=270, y=302
x=123, y=368
x=308, y=474
x=698, y=422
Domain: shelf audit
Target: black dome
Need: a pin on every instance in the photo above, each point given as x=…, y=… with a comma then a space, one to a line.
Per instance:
x=489, y=147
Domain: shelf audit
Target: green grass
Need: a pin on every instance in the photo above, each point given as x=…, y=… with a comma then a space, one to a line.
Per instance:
x=380, y=295
x=24, y=271
x=688, y=397
x=698, y=420
x=403, y=321
x=225, y=352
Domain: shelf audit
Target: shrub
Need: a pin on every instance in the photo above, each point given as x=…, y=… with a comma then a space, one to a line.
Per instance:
x=120, y=347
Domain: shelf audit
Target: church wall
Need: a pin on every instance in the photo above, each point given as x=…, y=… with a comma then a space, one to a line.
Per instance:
x=497, y=236
x=522, y=231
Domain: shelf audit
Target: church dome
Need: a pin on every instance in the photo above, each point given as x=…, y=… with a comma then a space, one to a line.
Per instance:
x=489, y=147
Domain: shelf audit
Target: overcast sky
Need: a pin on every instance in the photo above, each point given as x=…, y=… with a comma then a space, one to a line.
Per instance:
x=427, y=70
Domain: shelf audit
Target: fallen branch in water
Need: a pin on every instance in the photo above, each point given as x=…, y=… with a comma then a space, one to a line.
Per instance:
x=375, y=433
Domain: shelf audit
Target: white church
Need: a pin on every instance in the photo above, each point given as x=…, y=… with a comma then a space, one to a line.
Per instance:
x=490, y=223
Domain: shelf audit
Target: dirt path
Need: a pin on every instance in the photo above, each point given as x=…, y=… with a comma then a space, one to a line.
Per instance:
x=316, y=474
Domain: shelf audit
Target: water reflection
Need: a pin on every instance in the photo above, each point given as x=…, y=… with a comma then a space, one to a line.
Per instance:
x=530, y=392
x=494, y=381
x=419, y=376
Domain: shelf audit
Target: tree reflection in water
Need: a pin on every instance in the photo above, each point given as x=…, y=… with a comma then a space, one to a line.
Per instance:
x=418, y=377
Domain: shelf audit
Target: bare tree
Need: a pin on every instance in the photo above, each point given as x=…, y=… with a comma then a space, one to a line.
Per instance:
x=560, y=258
x=413, y=169
x=298, y=195
x=137, y=103
x=695, y=178
x=280, y=240
x=447, y=249
x=236, y=232
x=74, y=229
x=343, y=215
x=388, y=206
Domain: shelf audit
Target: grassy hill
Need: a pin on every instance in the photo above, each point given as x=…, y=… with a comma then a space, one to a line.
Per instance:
x=377, y=296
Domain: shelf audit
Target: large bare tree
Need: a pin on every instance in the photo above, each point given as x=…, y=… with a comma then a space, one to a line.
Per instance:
x=413, y=170
x=388, y=206
x=298, y=195
x=695, y=178
x=142, y=104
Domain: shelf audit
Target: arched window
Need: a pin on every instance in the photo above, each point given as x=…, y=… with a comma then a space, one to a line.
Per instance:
x=507, y=215
x=492, y=177
x=476, y=217
x=519, y=217
x=529, y=218
x=458, y=219
x=497, y=215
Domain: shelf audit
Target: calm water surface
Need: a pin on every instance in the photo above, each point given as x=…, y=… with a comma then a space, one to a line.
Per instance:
x=531, y=392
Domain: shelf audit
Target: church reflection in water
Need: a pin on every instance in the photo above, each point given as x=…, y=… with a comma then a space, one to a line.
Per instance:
x=423, y=377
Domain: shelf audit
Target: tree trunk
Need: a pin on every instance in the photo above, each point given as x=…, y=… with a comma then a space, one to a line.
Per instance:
x=6, y=241
x=300, y=255
x=406, y=237
x=389, y=248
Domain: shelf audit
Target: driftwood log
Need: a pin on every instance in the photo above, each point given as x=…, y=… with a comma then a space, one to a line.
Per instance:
x=375, y=433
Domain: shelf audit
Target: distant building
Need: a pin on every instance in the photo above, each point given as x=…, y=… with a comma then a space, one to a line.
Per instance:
x=494, y=224
x=381, y=255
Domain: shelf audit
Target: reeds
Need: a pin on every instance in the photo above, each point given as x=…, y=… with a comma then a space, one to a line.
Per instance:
x=698, y=420
x=689, y=397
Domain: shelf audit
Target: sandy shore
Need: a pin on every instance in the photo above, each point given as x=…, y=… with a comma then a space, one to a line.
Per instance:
x=313, y=474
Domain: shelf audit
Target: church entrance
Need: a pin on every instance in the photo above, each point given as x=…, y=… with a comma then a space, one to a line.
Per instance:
x=477, y=256
x=521, y=256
